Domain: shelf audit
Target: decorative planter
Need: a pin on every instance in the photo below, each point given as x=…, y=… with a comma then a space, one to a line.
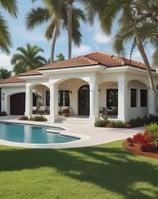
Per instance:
x=66, y=112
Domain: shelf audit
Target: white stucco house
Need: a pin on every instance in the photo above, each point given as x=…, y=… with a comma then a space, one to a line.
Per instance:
x=86, y=85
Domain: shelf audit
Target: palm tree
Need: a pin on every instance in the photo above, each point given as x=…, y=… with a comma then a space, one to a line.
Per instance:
x=11, y=7
x=138, y=22
x=27, y=59
x=4, y=73
x=60, y=57
x=69, y=8
x=56, y=14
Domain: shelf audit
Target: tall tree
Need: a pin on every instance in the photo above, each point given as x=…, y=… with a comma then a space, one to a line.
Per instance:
x=27, y=59
x=69, y=7
x=60, y=57
x=56, y=14
x=137, y=22
x=4, y=73
x=5, y=40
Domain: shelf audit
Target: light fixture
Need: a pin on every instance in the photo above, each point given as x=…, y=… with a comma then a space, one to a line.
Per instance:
x=99, y=91
x=3, y=96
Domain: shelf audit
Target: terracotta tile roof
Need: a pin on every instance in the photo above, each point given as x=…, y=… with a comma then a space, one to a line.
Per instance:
x=14, y=79
x=30, y=72
x=110, y=60
x=92, y=59
x=74, y=62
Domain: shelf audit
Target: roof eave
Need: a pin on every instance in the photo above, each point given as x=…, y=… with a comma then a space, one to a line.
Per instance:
x=128, y=68
x=73, y=69
x=12, y=84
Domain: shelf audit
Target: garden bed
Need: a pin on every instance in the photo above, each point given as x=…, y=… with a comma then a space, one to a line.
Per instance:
x=136, y=149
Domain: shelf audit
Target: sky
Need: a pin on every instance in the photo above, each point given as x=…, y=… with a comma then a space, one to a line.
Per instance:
x=93, y=38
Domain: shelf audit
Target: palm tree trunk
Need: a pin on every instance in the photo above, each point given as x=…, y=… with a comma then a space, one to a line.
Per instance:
x=144, y=57
x=69, y=19
x=53, y=44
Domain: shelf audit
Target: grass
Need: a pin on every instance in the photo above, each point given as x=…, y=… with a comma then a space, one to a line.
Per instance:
x=100, y=172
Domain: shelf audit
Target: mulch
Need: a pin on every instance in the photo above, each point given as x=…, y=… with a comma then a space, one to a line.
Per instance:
x=136, y=149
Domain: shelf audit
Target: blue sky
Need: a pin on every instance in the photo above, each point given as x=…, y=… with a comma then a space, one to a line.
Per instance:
x=93, y=38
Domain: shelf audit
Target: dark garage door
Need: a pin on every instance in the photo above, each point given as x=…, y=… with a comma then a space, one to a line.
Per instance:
x=17, y=104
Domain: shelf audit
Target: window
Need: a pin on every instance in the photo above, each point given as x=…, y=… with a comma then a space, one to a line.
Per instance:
x=47, y=97
x=133, y=97
x=143, y=97
x=64, y=99
x=112, y=98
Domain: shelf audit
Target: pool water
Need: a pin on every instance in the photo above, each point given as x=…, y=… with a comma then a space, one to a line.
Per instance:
x=25, y=133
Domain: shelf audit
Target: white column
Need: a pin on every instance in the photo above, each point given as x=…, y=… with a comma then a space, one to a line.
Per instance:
x=28, y=101
x=122, y=99
x=53, y=102
x=94, y=110
x=151, y=102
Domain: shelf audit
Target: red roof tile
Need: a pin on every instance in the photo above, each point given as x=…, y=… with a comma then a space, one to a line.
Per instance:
x=30, y=72
x=91, y=59
x=70, y=63
x=110, y=60
x=14, y=79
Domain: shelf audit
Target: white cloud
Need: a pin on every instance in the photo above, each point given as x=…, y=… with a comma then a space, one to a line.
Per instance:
x=101, y=38
x=83, y=49
x=5, y=61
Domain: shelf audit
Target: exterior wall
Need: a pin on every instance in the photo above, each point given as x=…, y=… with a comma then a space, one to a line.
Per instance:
x=137, y=111
x=8, y=91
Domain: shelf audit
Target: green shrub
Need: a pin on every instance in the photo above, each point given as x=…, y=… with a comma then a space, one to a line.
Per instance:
x=152, y=119
x=38, y=118
x=115, y=124
x=119, y=124
x=3, y=113
x=153, y=130
x=100, y=123
x=144, y=120
x=23, y=118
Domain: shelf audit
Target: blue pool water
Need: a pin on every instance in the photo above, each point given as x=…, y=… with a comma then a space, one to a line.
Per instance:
x=25, y=133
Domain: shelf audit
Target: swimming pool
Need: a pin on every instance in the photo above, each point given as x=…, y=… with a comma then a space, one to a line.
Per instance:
x=32, y=134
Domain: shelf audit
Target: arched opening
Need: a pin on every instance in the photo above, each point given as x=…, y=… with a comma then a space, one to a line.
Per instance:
x=83, y=100
x=40, y=99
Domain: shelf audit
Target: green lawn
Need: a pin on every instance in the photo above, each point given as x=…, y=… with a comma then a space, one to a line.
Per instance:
x=100, y=172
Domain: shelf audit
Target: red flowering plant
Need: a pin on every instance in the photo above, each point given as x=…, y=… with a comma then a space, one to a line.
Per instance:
x=144, y=139
x=148, y=140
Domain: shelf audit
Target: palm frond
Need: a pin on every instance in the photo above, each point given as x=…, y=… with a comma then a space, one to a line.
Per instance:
x=5, y=41
x=37, y=17
x=50, y=30
x=122, y=37
x=10, y=6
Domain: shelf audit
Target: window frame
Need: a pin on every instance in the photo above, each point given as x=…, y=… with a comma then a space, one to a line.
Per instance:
x=114, y=102
x=133, y=97
x=64, y=98
x=143, y=98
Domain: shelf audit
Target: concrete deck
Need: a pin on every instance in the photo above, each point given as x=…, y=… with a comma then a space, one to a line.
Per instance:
x=89, y=135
